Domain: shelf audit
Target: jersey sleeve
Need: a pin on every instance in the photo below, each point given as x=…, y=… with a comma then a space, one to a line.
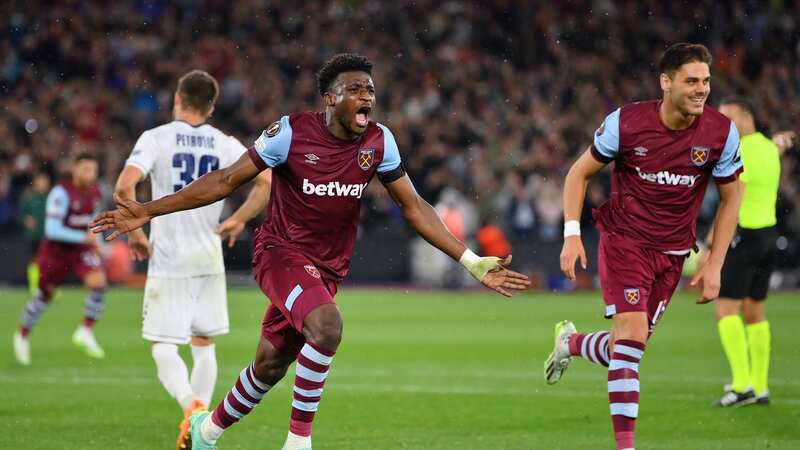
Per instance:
x=729, y=164
x=57, y=208
x=144, y=153
x=391, y=167
x=606, y=139
x=271, y=149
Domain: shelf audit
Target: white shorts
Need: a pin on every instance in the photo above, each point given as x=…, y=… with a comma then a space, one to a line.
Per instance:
x=175, y=309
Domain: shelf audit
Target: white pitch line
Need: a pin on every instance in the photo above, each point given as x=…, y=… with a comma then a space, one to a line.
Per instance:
x=409, y=388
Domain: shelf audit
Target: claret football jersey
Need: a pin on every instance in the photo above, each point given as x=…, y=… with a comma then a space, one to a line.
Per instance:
x=660, y=175
x=317, y=185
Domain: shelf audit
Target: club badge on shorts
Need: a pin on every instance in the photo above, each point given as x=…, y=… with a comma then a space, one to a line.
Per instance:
x=365, y=158
x=631, y=296
x=313, y=271
x=699, y=155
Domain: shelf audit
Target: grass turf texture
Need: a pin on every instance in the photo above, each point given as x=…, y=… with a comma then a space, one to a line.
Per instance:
x=416, y=370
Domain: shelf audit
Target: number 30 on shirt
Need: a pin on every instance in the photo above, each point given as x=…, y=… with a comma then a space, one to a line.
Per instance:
x=185, y=166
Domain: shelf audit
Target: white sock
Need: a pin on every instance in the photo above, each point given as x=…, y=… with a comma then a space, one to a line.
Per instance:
x=294, y=441
x=204, y=372
x=210, y=431
x=172, y=373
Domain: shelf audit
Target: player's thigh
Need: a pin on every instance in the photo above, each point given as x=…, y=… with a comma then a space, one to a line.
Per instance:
x=54, y=268
x=764, y=268
x=166, y=310
x=626, y=276
x=210, y=305
x=664, y=286
x=292, y=284
x=738, y=271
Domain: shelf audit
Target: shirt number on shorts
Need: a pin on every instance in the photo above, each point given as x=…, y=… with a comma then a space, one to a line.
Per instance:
x=185, y=165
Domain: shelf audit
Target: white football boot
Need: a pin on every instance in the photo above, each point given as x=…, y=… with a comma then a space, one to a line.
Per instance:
x=22, y=349
x=84, y=339
x=558, y=361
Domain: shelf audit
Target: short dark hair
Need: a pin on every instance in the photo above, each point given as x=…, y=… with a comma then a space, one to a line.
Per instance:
x=746, y=103
x=198, y=90
x=682, y=53
x=85, y=157
x=343, y=62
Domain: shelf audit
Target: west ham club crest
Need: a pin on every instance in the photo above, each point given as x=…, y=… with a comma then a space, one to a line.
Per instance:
x=313, y=271
x=699, y=155
x=631, y=296
x=365, y=158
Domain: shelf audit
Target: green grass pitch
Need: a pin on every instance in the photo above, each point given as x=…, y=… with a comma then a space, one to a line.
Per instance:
x=416, y=370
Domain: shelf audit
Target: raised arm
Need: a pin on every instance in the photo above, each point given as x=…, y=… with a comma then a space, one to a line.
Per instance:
x=209, y=188
x=256, y=200
x=423, y=218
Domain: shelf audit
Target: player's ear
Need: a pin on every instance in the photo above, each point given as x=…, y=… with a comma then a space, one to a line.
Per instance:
x=210, y=112
x=330, y=99
x=665, y=81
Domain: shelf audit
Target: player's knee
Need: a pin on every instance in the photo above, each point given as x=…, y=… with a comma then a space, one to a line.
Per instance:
x=727, y=307
x=269, y=372
x=323, y=327
x=95, y=280
x=753, y=312
x=630, y=326
x=202, y=341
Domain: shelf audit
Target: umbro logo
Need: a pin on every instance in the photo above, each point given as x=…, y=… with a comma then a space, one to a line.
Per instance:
x=640, y=151
x=311, y=158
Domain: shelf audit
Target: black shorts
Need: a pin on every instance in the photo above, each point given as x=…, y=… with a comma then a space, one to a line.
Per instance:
x=749, y=264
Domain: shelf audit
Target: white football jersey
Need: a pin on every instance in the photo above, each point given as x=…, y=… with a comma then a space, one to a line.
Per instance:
x=175, y=154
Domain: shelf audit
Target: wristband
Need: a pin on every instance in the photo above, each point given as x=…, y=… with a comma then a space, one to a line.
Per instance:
x=478, y=266
x=469, y=258
x=572, y=228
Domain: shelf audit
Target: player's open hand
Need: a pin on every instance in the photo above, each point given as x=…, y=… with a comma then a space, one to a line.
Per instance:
x=571, y=252
x=130, y=215
x=503, y=280
x=230, y=229
x=710, y=275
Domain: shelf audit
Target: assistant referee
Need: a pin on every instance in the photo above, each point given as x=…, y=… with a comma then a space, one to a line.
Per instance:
x=742, y=321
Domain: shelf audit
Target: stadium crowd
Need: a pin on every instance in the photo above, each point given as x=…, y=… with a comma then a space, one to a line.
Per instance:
x=489, y=101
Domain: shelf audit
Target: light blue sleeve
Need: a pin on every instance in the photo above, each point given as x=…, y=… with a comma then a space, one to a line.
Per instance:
x=391, y=154
x=273, y=144
x=57, y=208
x=731, y=159
x=606, y=138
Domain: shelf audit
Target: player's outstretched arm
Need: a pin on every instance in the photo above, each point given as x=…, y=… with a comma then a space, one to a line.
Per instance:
x=574, y=193
x=490, y=271
x=255, y=202
x=209, y=188
x=724, y=227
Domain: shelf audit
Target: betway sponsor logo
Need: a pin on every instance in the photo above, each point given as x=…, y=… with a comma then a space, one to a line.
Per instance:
x=665, y=177
x=333, y=189
x=79, y=221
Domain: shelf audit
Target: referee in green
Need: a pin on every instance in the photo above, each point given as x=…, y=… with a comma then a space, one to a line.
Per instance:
x=741, y=317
